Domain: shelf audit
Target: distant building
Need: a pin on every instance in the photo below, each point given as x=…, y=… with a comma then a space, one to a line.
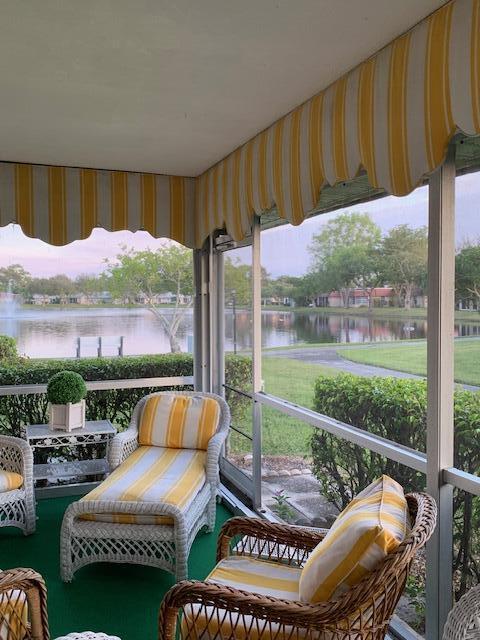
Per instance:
x=381, y=297
x=280, y=301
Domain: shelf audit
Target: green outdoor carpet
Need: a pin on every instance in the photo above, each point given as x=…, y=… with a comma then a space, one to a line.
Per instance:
x=122, y=600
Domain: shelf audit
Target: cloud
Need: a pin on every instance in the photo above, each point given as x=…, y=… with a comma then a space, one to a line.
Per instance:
x=81, y=256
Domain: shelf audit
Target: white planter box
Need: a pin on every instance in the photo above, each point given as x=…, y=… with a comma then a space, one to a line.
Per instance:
x=66, y=417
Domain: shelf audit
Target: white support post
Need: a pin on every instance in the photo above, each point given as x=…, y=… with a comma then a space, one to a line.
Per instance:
x=217, y=301
x=257, y=363
x=440, y=361
x=201, y=322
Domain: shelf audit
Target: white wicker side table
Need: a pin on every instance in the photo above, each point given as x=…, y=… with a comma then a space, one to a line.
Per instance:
x=88, y=635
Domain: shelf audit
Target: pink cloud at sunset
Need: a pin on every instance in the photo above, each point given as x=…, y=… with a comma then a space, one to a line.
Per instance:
x=81, y=256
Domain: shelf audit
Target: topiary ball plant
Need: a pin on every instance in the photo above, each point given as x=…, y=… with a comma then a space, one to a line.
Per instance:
x=65, y=387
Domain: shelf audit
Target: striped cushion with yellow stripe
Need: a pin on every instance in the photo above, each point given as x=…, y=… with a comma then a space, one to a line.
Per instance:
x=258, y=576
x=152, y=474
x=9, y=481
x=370, y=527
x=178, y=422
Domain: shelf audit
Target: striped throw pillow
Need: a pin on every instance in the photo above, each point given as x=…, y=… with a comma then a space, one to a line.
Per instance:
x=370, y=527
x=9, y=481
x=178, y=422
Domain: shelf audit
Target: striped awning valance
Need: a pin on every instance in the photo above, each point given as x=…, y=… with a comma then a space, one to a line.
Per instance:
x=59, y=204
x=393, y=116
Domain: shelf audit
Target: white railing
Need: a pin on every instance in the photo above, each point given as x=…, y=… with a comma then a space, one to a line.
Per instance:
x=102, y=385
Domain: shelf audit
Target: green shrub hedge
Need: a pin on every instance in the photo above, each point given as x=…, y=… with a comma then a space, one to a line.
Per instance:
x=116, y=404
x=8, y=349
x=396, y=409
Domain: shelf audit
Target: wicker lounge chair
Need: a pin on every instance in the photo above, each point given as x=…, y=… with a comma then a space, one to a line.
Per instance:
x=23, y=605
x=149, y=531
x=211, y=610
x=17, y=505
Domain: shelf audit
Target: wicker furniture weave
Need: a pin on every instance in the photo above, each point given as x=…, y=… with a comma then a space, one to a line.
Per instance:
x=210, y=610
x=164, y=546
x=23, y=605
x=463, y=622
x=17, y=507
x=88, y=635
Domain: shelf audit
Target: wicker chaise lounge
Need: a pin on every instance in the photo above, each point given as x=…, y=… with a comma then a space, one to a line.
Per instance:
x=149, y=510
x=256, y=551
x=17, y=497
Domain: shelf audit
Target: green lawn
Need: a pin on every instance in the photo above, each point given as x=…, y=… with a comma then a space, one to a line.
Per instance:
x=281, y=435
x=412, y=358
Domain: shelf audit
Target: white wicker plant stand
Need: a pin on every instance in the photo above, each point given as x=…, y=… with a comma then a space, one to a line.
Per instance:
x=463, y=622
x=17, y=507
x=88, y=635
x=167, y=547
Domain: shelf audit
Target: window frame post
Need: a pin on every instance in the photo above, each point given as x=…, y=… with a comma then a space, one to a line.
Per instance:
x=257, y=362
x=440, y=385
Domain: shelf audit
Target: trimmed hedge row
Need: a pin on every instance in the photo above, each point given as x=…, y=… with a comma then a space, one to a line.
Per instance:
x=397, y=409
x=116, y=404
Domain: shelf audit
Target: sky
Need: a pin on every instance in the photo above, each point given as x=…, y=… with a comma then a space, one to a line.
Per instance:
x=284, y=249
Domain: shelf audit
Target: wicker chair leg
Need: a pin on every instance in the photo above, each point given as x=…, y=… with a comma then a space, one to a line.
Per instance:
x=30, y=516
x=167, y=622
x=212, y=512
x=66, y=568
x=181, y=565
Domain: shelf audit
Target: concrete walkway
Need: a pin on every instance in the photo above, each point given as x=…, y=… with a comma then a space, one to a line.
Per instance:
x=330, y=357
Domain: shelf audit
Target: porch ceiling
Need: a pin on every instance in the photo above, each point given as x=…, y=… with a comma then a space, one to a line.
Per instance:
x=172, y=86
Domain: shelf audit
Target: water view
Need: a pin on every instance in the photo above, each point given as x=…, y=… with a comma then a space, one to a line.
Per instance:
x=48, y=333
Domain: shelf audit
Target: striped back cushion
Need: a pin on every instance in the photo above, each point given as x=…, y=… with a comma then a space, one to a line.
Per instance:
x=178, y=422
x=371, y=526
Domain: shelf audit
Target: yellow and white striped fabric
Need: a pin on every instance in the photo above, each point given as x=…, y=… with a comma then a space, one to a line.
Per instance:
x=60, y=204
x=177, y=421
x=371, y=526
x=154, y=475
x=9, y=481
x=13, y=615
x=265, y=578
x=393, y=115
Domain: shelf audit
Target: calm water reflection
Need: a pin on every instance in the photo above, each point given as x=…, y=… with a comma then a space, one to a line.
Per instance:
x=50, y=333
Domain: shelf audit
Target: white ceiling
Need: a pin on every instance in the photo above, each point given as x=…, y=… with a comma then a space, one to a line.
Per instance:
x=172, y=86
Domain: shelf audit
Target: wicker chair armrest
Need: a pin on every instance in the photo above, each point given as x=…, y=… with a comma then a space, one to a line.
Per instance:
x=304, y=539
x=236, y=601
x=122, y=445
x=16, y=455
x=33, y=585
x=214, y=449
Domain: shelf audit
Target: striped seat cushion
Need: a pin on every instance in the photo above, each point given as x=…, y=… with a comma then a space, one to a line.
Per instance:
x=13, y=615
x=178, y=422
x=9, y=481
x=152, y=474
x=258, y=576
x=371, y=526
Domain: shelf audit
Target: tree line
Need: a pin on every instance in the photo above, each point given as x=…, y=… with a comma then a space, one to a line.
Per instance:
x=348, y=253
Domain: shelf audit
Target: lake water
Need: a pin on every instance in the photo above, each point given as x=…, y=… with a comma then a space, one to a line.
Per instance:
x=53, y=332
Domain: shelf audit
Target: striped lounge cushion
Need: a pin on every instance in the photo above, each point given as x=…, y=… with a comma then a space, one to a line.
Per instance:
x=152, y=474
x=178, y=422
x=9, y=481
x=258, y=576
x=371, y=526
x=13, y=615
